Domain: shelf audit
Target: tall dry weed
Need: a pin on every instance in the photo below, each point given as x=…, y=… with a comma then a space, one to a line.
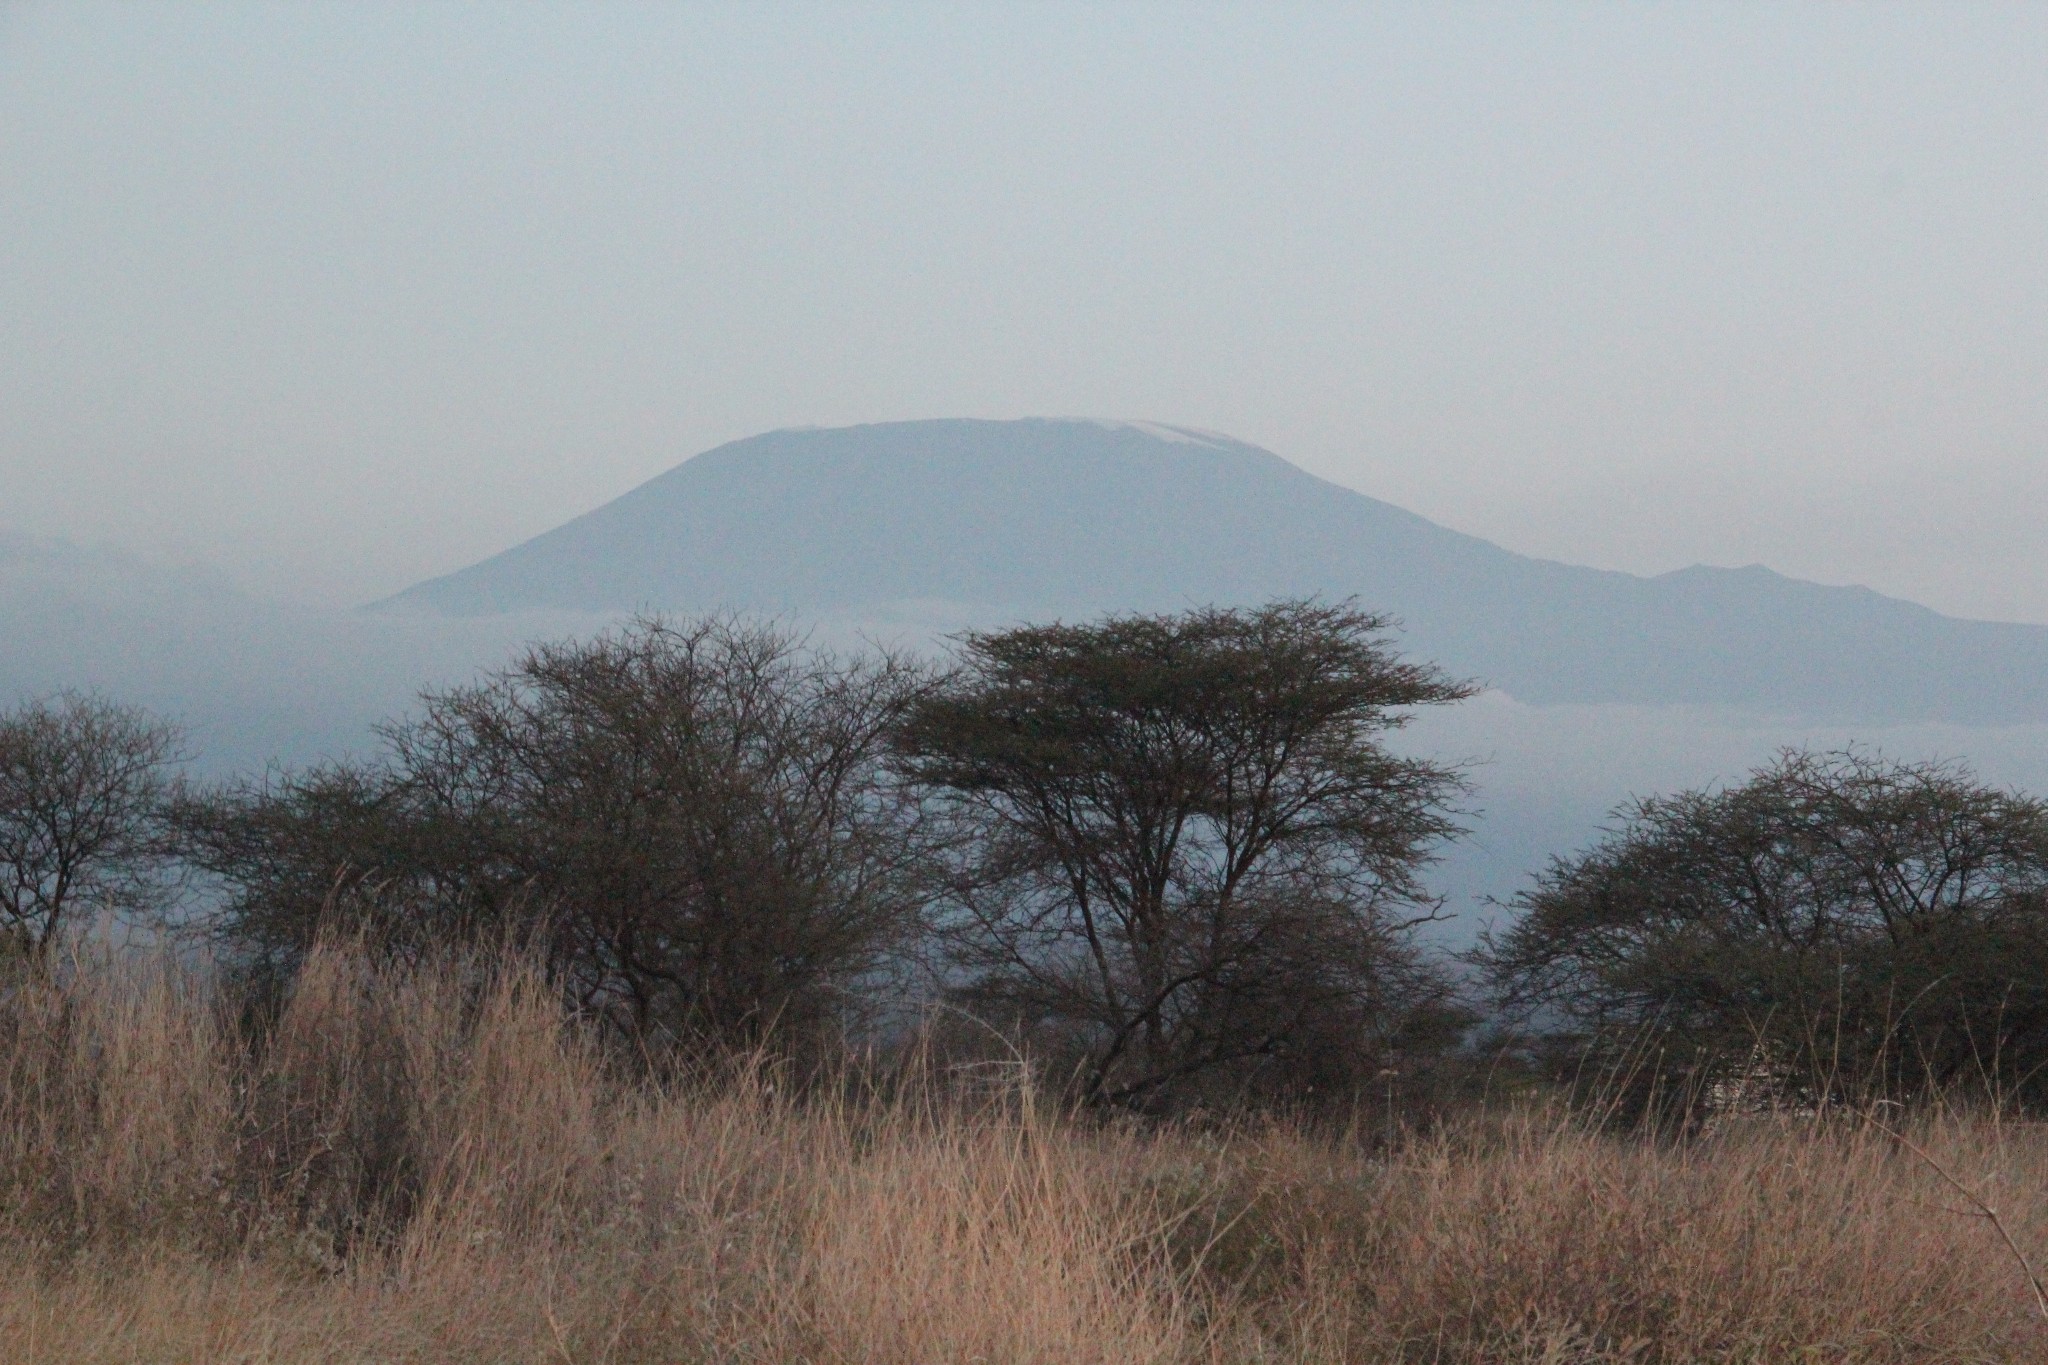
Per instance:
x=437, y=1164
x=117, y=1110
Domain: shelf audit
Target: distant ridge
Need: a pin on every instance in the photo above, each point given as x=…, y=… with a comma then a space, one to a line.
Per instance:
x=987, y=520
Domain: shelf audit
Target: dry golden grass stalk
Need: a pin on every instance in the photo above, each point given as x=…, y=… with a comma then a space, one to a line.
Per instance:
x=438, y=1165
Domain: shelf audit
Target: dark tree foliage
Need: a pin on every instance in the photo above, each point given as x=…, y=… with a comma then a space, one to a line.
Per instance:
x=359, y=849
x=696, y=824
x=82, y=788
x=1843, y=923
x=1184, y=848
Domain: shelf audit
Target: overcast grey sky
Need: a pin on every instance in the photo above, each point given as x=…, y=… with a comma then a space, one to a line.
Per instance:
x=336, y=298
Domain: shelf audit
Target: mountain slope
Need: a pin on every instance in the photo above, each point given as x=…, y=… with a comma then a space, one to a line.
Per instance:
x=981, y=521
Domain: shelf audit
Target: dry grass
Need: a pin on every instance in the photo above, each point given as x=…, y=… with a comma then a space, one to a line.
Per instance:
x=408, y=1170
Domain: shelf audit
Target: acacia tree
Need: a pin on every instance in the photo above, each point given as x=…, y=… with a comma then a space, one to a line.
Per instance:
x=348, y=846
x=695, y=822
x=1182, y=841
x=1859, y=923
x=82, y=782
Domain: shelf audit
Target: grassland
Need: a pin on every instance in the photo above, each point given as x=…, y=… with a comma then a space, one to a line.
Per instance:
x=411, y=1166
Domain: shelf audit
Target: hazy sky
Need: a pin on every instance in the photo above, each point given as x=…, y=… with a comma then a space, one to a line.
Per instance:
x=336, y=298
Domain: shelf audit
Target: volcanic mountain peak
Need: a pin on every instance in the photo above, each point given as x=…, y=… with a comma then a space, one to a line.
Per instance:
x=1004, y=519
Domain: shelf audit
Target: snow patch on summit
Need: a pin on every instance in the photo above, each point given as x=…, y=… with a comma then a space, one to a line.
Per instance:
x=1180, y=436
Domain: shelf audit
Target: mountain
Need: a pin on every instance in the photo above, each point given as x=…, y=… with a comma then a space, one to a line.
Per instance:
x=937, y=525
x=983, y=521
